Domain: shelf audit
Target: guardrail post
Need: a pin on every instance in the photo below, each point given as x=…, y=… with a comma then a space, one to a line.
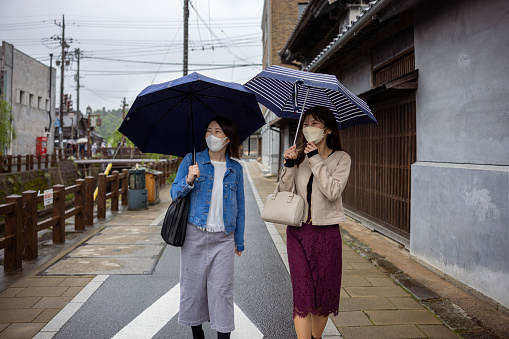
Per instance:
x=89, y=201
x=59, y=212
x=12, y=254
x=101, y=197
x=115, y=186
x=38, y=161
x=125, y=182
x=30, y=245
x=79, y=198
x=46, y=158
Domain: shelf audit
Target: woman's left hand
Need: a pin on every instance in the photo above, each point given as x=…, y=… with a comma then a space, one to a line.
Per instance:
x=237, y=252
x=310, y=147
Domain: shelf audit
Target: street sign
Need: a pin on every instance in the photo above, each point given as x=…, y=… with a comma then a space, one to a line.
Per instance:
x=57, y=123
x=48, y=197
x=60, y=130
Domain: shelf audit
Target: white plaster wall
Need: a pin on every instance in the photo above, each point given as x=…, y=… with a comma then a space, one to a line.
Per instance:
x=29, y=118
x=460, y=223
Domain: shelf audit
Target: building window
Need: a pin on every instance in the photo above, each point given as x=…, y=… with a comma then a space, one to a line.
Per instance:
x=39, y=103
x=31, y=101
x=22, y=98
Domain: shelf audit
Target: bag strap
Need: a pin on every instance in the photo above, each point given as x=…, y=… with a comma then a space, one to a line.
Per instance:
x=276, y=191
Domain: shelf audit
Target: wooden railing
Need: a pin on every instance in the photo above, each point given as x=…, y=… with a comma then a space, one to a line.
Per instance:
x=18, y=163
x=21, y=224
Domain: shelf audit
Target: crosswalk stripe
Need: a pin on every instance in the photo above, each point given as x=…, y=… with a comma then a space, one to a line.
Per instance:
x=150, y=321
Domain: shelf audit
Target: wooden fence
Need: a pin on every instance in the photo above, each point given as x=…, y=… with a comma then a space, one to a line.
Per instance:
x=18, y=163
x=21, y=224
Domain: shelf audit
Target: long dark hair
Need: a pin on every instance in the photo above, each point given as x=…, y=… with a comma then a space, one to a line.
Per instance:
x=325, y=116
x=230, y=130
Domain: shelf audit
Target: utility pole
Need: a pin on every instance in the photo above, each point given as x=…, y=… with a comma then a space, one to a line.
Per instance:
x=64, y=45
x=186, y=34
x=78, y=55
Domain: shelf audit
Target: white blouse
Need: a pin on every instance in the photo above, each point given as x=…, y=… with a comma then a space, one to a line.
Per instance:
x=215, y=219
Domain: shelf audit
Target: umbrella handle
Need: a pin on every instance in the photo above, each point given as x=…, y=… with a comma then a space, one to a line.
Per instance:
x=192, y=129
x=300, y=118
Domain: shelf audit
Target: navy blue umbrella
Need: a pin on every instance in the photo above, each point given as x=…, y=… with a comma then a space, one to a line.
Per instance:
x=172, y=117
x=288, y=93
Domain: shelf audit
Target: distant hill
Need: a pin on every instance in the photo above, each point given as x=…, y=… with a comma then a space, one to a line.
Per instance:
x=110, y=121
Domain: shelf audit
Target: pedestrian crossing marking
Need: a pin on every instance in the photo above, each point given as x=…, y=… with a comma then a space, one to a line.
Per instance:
x=152, y=320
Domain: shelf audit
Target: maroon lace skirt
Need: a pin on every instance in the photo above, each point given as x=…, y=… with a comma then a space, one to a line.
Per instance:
x=315, y=259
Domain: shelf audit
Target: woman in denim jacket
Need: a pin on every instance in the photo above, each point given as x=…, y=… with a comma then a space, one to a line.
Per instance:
x=215, y=230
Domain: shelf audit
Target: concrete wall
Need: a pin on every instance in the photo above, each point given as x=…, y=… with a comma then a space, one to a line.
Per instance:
x=30, y=110
x=460, y=183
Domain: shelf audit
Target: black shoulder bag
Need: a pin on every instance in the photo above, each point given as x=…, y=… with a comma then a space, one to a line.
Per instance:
x=175, y=222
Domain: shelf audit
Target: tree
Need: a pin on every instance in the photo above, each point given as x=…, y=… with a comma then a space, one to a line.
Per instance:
x=7, y=131
x=116, y=138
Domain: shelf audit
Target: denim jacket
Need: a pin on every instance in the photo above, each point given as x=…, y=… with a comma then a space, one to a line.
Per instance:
x=201, y=192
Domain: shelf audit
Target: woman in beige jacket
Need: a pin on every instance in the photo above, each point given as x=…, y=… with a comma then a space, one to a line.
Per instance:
x=319, y=168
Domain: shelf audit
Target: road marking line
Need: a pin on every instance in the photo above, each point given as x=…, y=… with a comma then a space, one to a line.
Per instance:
x=150, y=321
x=276, y=237
x=155, y=317
x=70, y=309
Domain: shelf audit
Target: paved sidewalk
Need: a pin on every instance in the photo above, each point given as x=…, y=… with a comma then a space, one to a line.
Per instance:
x=124, y=243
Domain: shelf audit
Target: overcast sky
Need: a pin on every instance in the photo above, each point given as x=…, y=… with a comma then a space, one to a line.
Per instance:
x=127, y=45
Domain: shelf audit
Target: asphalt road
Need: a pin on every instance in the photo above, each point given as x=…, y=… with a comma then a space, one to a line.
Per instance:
x=139, y=306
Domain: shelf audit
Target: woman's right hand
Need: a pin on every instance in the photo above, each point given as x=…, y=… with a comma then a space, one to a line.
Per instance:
x=193, y=172
x=291, y=153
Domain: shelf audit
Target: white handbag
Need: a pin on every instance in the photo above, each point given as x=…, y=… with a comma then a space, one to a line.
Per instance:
x=284, y=208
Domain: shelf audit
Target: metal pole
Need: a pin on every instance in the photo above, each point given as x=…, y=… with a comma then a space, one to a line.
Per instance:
x=300, y=117
x=186, y=34
x=88, y=137
x=122, y=143
x=50, y=97
x=78, y=52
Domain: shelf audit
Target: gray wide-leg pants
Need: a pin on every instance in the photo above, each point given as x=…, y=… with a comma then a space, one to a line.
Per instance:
x=206, y=279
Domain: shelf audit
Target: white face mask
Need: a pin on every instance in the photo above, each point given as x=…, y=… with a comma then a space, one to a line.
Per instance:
x=313, y=134
x=216, y=144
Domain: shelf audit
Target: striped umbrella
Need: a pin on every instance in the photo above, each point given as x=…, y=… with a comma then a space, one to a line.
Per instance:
x=288, y=93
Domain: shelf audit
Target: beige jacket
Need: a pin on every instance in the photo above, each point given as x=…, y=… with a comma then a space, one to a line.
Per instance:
x=331, y=175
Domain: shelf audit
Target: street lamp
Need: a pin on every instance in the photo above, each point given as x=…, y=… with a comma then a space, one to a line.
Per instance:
x=89, y=114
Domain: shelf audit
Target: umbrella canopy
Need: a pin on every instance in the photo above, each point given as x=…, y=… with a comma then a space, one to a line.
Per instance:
x=172, y=117
x=288, y=92
x=82, y=140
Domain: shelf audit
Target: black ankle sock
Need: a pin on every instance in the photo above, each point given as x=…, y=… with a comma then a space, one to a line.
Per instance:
x=314, y=337
x=198, y=332
x=221, y=335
